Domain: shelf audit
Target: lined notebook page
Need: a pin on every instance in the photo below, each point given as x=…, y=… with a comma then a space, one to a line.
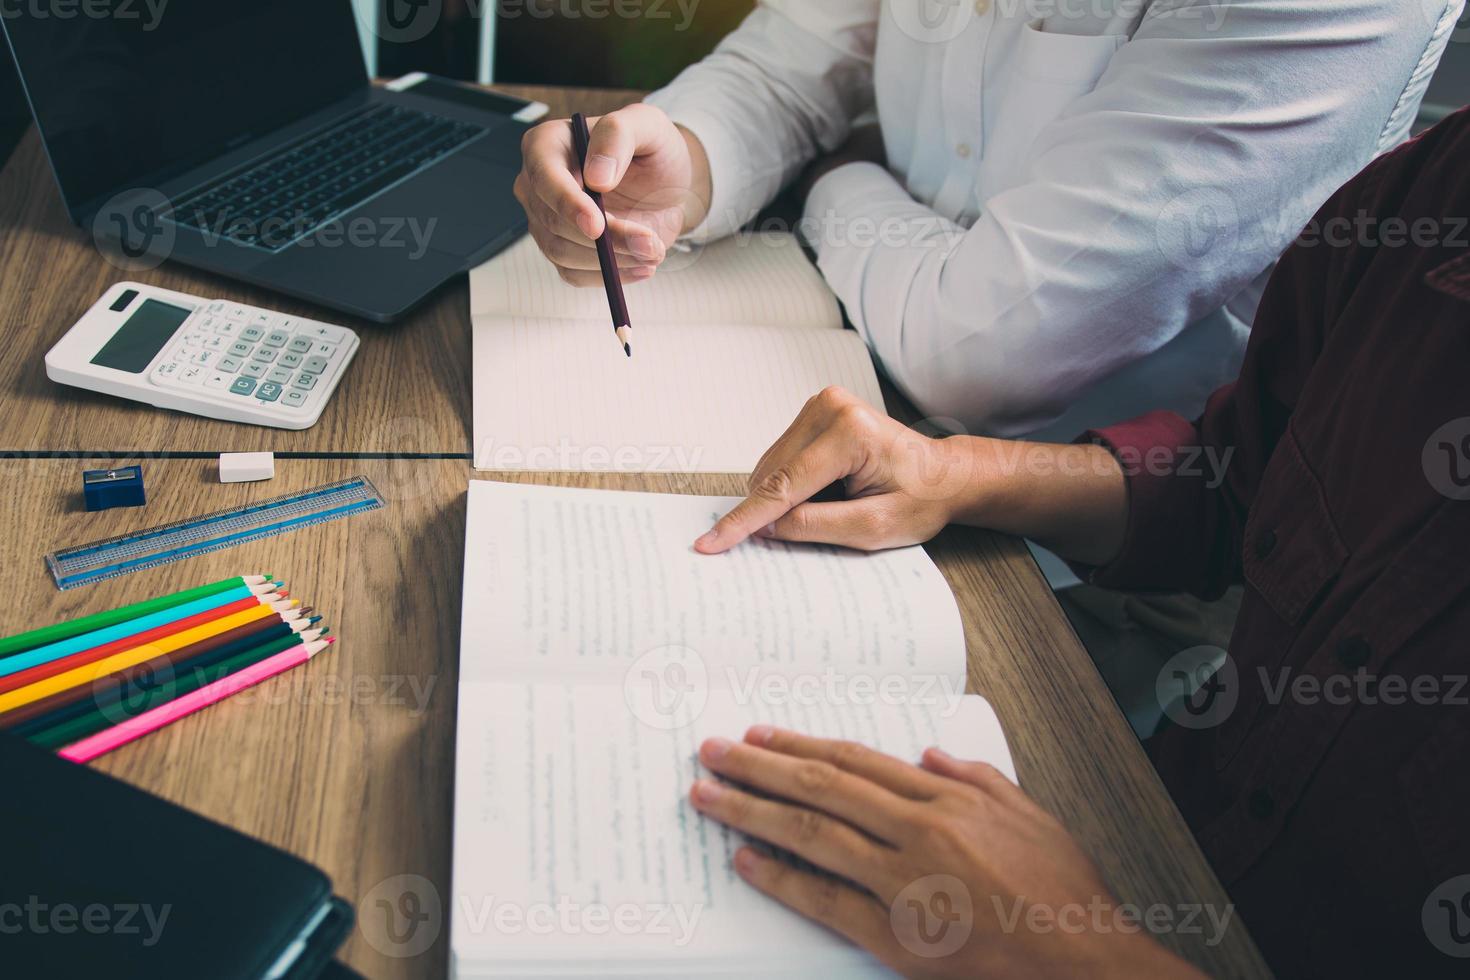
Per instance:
x=746, y=279
x=558, y=395
x=564, y=799
x=576, y=583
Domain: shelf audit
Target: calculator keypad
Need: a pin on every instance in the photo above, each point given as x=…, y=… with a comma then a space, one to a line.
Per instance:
x=252, y=354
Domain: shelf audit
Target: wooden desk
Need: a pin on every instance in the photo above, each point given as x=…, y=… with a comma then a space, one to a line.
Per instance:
x=349, y=762
x=408, y=391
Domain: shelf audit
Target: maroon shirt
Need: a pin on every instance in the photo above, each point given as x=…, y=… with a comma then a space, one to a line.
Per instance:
x=1332, y=817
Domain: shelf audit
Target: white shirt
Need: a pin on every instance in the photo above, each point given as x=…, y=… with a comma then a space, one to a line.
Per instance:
x=1083, y=198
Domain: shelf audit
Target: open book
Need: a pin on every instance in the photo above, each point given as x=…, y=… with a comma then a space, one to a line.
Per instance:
x=597, y=652
x=729, y=341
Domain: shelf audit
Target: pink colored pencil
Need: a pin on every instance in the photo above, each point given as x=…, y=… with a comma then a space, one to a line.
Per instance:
x=166, y=714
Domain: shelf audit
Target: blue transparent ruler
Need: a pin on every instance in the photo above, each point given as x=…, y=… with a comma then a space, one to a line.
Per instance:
x=212, y=532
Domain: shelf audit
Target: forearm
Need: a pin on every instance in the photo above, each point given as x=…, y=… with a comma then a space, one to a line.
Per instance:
x=1071, y=499
x=774, y=94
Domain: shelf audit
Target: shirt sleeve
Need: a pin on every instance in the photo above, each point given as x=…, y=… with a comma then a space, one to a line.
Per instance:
x=1149, y=203
x=1191, y=485
x=784, y=86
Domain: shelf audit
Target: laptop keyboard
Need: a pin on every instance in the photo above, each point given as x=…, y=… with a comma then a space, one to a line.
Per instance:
x=307, y=184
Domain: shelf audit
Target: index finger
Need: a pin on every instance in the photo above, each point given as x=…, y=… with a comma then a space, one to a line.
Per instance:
x=551, y=168
x=891, y=773
x=791, y=483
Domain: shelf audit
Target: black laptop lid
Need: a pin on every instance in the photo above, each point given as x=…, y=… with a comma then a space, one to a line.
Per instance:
x=99, y=879
x=128, y=91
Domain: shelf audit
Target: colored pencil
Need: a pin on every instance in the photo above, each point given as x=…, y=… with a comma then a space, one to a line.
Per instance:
x=237, y=598
x=160, y=671
x=196, y=675
x=60, y=631
x=151, y=721
x=612, y=280
x=33, y=675
x=127, y=658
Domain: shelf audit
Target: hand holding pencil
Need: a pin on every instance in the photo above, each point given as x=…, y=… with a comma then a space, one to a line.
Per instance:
x=655, y=185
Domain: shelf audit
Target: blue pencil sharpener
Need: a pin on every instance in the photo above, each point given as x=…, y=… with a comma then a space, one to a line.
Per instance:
x=106, y=489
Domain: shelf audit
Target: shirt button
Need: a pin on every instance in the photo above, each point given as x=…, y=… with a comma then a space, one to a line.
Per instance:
x=982, y=7
x=1261, y=804
x=964, y=151
x=1354, y=652
x=1265, y=544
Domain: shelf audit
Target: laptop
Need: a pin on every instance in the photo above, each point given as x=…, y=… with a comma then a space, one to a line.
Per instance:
x=247, y=139
x=105, y=880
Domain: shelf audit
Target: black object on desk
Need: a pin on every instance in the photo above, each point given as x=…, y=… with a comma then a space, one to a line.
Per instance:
x=101, y=879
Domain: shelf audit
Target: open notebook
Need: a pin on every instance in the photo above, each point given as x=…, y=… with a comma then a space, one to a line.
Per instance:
x=729, y=341
x=597, y=652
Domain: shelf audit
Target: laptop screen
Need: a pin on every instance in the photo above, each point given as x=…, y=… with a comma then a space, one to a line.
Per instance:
x=127, y=89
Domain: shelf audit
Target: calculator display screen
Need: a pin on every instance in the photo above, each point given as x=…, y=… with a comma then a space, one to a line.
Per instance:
x=134, y=345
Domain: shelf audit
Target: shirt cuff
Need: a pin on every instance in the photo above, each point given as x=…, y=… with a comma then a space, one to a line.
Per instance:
x=840, y=194
x=1155, y=452
x=732, y=181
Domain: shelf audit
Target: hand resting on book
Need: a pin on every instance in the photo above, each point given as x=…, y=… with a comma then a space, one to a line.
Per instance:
x=949, y=870
x=903, y=487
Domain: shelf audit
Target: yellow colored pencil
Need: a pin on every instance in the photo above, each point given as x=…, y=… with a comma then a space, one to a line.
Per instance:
x=129, y=658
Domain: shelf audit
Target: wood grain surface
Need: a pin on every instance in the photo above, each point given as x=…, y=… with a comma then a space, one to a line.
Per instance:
x=348, y=762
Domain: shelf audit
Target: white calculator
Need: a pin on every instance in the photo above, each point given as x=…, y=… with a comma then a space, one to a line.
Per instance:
x=209, y=357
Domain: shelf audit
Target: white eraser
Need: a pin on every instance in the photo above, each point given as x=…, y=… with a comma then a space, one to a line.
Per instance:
x=246, y=467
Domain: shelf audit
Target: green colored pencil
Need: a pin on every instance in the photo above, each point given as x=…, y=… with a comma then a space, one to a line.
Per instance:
x=61, y=631
x=98, y=719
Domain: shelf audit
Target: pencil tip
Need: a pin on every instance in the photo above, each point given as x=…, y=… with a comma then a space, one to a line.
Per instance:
x=628, y=349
